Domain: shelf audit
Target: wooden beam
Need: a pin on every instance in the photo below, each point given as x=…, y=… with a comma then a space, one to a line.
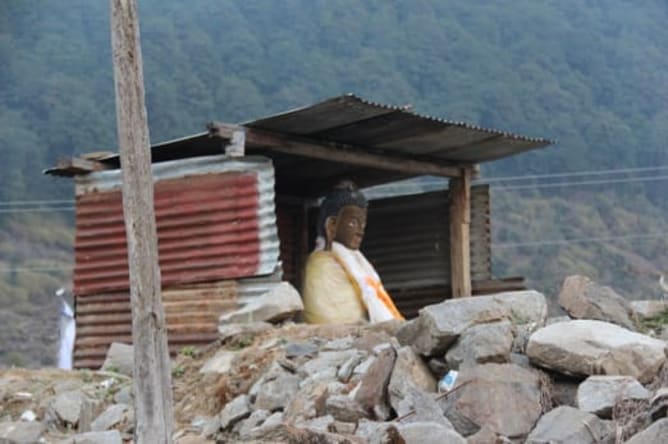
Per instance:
x=460, y=224
x=154, y=411
x=354, y=155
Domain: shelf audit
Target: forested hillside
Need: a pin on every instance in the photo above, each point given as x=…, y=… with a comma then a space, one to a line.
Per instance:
x=591, y=74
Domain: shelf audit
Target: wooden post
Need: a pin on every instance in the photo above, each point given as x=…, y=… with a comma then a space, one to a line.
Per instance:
x=460, y=224
x=154, y=417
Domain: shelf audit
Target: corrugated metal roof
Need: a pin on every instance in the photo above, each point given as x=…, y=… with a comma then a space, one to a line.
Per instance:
x=366, y=126
x=352, y=120
x=215, y=220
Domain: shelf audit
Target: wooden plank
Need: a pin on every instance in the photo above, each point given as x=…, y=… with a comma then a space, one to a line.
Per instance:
x=152, y=381
x=460, y=224
x=350, y=154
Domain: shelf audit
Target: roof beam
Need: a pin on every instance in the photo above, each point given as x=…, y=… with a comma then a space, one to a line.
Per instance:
x=354, y=155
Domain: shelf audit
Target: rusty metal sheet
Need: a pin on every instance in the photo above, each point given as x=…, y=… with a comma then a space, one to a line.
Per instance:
x=215, y=220
x=192, y=314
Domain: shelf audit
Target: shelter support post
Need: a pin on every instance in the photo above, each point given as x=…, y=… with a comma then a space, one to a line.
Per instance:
x=460, y=224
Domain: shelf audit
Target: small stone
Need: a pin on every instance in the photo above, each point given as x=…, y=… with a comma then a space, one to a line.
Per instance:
x=124, y=395
x=297, y=350
x=235, y=410
x=320, y=424
x=429, y=433
x=274, y=390
x=649, y=308
x=254, y=420
x=221, y=362
x=120, y=359
x=344, y=408
x=345, y=428
x=28, y=416
x=67, y=406
x=346, y=369
x=242, y=330
x=482, y=343
x=21, y=432
x=108, y=437
x=109, y=418
x=599, y=394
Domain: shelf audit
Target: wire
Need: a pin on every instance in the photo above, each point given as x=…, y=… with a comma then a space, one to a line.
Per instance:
x=579, y=240
x=35, y=210
x=576, y=173
x=16, y=203
x=583, y=182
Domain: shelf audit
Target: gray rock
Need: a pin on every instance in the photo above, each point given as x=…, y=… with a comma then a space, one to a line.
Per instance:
x=583, y=298
x=345, y=408
x=254, y=420
x=280, y=303
x=346, y=369
x=364, y=366
x=654, y=434
x=298, y=350
x=124, y=395
x=648, y=309
x=109, y=418
x=412, y=389
x=21, y=432
x=557, y=319
x=599, y=394
x=584, y=348
x=242, y=330
x=221, y=362
x=308, y=402
x=339, y=344
x=275, y=389
x=120, y=359
x=326, y=360
x=373, y=432
x=526, y=306
x=482, y=343
x=371, y=393
x=520, y=359
x=429, y=433
x=438, y=326
x=67, y=406
x=108, y=437
x=567, y=425
x=345, y=428
x=320, y=424
x=234, y=411
x=486, y=436
x=504, y=397
x=658, y=405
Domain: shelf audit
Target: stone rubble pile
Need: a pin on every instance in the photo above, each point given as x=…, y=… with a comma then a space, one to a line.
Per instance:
x=521, y=378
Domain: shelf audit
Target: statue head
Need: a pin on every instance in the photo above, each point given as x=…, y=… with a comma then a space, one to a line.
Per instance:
x=342, y=216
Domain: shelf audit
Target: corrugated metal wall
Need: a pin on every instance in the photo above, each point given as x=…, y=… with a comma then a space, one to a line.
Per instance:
x=192, y=314
x=216, y=223
x=408, y=242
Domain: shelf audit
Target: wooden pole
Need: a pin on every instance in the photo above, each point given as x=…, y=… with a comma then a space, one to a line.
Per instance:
x=154, y=417
x=460, y=243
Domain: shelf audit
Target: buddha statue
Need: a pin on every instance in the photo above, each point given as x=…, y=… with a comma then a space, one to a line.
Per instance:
x=340, y=285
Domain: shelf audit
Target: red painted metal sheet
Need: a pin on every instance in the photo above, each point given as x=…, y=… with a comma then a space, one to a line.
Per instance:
x=208, y=230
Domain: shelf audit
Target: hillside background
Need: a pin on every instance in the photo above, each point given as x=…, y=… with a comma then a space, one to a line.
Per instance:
x=591, y=74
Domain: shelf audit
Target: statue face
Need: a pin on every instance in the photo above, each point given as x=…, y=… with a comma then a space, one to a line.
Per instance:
x=350, y=226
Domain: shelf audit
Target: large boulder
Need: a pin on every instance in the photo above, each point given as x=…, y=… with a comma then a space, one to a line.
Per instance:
x=482, y=343
x=584, y=348
x=504, y=397
x=568, y=425
x=280, y=303
x=583, y=298
x=21, y=432
x=438, y=326
x=371, y=393
x=599, y=394
x=411, y=379
x=526, y=307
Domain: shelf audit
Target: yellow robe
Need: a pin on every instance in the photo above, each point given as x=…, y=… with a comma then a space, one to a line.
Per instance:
x=330, y=296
